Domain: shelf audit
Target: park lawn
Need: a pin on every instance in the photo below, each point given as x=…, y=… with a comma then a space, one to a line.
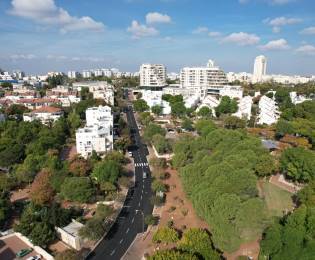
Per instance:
x=278, y=201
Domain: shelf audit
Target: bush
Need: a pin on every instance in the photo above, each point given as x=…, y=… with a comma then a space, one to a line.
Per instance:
x=78, y=189
x=165, y=235
x=151, y=220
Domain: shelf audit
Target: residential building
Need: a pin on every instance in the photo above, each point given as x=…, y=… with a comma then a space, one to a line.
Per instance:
x=46, y=115
x=210, y=77
x=268, y=111
x=86, y=74
x=73, y=74
x=97, y=135
x=260, y=67
x=36, y=103
x=152, y=76
x=244, y=107
x=231, y=91
x=241, y=77
x=17, y=74
x=64, y=94
x=99, y=89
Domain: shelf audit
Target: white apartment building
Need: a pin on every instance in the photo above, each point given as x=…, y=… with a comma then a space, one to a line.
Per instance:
x=73, y=74
x=97, y=135
x=153, y=76
x=231, y=91
x=17, y=74
x=242, y=77
x=268, y=111
x=244, y=107
x=175, y=89
x=87, y=74
x=260, y=68
x=46, y=115
x=210, y=77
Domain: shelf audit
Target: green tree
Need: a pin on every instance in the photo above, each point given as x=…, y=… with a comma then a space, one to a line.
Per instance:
x=158, y=186
x=42, y=234
x=157, y=110
x=205, y=112
x=93, y=229
x=69, y=254
x=178, y=109
x=106, y=171
x=140, y=105
x=233, y=122
x=161, y=144
x=204, y=126
x=172, y=255
x=78, y=189
x=226, y=106
x=151, y=130
x=198, y=242
x=187, y=124
x=298, y=164
x=165, y=235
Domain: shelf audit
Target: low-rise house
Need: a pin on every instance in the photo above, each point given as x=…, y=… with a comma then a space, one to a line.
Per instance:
x=36, y=103
x=70, y=235
x=298, y=99
x=210, y=102
x=268, y=111
x=46, y=115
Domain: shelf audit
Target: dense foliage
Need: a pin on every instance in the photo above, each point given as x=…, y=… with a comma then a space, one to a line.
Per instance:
x=292, y=238
x=218, y=173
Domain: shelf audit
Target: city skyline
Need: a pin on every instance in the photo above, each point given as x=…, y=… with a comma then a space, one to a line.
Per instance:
x=40, y=36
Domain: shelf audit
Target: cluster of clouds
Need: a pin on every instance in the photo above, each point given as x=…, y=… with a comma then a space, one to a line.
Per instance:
x=139, y=30
x=47, y=13
x=247, y=39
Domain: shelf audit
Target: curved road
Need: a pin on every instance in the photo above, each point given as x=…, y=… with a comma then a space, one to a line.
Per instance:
x=130, y=222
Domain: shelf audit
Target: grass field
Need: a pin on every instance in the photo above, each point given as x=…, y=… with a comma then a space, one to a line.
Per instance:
x=278, y=201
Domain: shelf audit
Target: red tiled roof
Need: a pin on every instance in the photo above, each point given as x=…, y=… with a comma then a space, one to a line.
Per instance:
x=47, y=109
x=38, y=100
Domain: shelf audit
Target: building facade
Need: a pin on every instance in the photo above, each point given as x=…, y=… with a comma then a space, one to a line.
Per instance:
x=260, y=68
x=152, y=76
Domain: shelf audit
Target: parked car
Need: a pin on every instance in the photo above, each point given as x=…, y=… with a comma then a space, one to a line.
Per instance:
x=24, y=252
x=145, y=175
x=35, y=257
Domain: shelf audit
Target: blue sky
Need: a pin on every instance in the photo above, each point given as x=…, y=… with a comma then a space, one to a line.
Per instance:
x=60, y=35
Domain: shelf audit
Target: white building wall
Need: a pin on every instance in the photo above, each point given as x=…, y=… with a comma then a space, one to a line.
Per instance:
x=152, y=75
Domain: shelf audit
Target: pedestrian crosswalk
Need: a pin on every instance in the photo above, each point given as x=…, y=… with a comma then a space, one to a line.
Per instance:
x=141, y=164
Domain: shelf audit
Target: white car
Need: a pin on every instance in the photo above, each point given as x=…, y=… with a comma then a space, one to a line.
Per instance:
x=35, y=257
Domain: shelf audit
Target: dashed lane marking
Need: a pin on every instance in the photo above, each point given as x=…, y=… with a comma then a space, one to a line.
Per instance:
x=127, y=231
x=113, y=252
x=133, y=219
x=121, y=241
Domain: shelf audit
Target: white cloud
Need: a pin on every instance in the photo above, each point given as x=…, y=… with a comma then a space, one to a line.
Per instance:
x=306, y=49
x=22, y=56
x=200, y=30
x=278, y=22
x=280, y=44
x=241, y=39
x=214, y=34
x=309, y=30
x=46, y=12
x=155, y=17
x=140, y=30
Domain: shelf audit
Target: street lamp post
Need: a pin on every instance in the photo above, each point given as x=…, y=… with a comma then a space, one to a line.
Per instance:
x=139, y=210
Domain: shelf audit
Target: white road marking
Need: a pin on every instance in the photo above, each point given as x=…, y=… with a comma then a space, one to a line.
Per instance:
x=113, y=252
x=133, y=219
x=127, y=231
x=121, y=241
x=139, y=204
x=141, y=197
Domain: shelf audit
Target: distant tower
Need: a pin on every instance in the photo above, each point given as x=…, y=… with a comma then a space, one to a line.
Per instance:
x=260, y=67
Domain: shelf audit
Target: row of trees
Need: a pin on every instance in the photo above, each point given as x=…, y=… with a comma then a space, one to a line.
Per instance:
x=194, y=244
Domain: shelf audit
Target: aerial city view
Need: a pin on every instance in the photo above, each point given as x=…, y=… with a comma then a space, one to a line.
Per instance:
x=157, y=129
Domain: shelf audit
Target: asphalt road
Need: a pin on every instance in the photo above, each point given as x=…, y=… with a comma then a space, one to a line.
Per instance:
x=130, y=222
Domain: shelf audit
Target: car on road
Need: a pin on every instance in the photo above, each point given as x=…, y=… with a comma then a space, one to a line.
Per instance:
x=23, y=252
x=130, y=154
x=35, y=257
x=145, y=175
